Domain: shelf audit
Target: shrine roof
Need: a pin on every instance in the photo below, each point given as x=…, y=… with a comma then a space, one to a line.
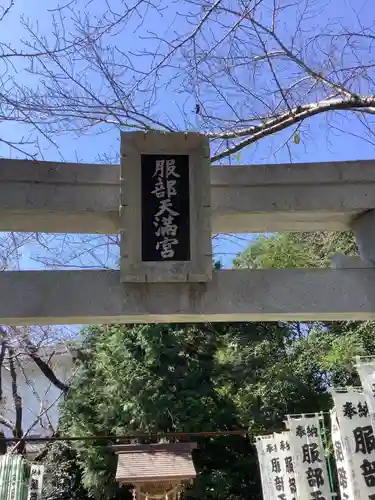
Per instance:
x=155, y=462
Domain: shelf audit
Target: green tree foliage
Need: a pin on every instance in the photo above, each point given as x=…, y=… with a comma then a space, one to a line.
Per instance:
x=156, y=378
x=283, y=250
x=193, y=378
x=63, y=475
x=330, y=347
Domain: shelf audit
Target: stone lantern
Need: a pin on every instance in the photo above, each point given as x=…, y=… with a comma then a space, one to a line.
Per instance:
x=155, y=471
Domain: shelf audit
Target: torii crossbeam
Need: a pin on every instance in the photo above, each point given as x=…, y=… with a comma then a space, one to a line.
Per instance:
x=55, y=197
x=84, y=297
x=82, y=198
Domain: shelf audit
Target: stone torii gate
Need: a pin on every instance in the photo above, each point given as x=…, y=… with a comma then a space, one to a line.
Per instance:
x=166, y=200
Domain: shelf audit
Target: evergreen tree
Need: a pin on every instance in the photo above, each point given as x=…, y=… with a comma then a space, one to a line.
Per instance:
x=63, y=475
x=164, y=378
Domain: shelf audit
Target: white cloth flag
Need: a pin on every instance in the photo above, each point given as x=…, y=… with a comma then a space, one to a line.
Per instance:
x=358, y=442
x=261, y=445
x=276, y=467
x=284, y=466
x=310, y=465
x=344, y=468
x=366, y=372
x=35, y=482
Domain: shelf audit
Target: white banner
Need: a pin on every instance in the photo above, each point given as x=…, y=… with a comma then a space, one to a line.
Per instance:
x=276, y=466
x=285, y=467
x=261, y=444
x=366, y=372
x=343, y=465
x=11, y=477
x=310, y=465
x=35, y=482
x=358, y=442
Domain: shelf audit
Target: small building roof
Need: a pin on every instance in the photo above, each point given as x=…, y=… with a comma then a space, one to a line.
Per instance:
x=149, y=463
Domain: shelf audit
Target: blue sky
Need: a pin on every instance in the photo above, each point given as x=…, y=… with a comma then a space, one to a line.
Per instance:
x=318, y=142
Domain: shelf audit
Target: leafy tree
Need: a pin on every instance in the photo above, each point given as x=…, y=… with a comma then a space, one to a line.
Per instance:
x=192, y=378
x=329, y=347
x=168, y=378
x=295, y=250
x=63, y=475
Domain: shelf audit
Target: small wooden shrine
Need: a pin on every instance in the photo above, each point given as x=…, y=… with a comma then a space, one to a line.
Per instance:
x=155, y=471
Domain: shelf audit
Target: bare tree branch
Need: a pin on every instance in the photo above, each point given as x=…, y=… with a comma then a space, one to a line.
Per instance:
x=231, y=64
x=34, y=423
x=17, y=400
x=2, y=357
x=5, y=10
x=288, y=119
x=43, y=365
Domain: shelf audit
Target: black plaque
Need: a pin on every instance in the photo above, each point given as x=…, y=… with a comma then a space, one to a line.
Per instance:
x=165, y=208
